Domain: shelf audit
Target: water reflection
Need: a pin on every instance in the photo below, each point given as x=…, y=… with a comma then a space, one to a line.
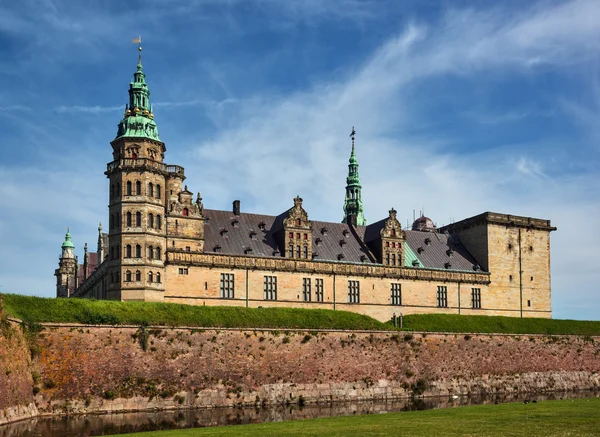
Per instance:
x=109, y=424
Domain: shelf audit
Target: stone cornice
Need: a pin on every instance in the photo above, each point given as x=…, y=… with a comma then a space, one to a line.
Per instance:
x=500, y=219
x=322, y=267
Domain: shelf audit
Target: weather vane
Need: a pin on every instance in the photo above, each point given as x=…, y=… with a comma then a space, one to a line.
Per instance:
x=352, y=135
x=138, y=41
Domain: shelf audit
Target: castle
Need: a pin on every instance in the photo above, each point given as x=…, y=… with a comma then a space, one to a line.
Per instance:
x=163, y=245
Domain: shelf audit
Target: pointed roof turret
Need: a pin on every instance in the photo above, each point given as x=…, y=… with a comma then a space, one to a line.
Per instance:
x=68, y=243
x=353, y=207
x=138, y=120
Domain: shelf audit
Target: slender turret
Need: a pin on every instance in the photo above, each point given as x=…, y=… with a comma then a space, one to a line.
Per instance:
x=353, y=206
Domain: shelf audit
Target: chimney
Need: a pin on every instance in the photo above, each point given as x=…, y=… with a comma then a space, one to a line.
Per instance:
x=236, y=207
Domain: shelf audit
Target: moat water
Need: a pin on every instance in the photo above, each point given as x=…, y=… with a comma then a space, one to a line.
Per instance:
x=110, y=424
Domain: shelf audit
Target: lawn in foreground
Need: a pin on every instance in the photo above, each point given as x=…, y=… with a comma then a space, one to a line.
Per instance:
x=573, y=418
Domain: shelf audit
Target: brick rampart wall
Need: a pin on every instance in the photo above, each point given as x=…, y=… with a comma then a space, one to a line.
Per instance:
x=103, y=369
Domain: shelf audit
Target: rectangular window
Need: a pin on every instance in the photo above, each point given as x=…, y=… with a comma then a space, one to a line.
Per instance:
x=353, y=292
x=476, y=298
x=227, y=286
x=270, y=287
x=442, y=296
x=396, y=294
x=319, y=290
x=183, y=270
x=306, y=295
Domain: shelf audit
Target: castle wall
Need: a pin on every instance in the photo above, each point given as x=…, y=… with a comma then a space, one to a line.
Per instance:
x=199, y=283
x=108, y=369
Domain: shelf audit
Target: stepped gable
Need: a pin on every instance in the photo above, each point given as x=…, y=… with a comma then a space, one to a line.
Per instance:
x=440, y=251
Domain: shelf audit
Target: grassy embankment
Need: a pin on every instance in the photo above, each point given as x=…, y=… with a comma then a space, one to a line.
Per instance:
x=40, y=310
x=574, y=418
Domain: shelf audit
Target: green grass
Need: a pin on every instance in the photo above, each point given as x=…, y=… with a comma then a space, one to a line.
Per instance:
x=574, y=418
x=497, y=324
x=88, y=311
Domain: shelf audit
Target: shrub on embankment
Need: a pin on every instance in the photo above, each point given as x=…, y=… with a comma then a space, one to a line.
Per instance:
x=498, y=324
x=103, y=312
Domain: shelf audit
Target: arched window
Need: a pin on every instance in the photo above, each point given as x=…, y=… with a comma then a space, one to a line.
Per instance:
x=138, y=275
x=387, y=258
x=150, y=189
x=158, y=277
x=138, y=188
x=138, y=251
x=112, y=191
x=117, y=277
x=393, y=232
x=117, y=220
x=297, y=251
x=158, y=221
x=138, y=218
x=393, y=259
x=111, y=221
x=150, y=277
x=151, y=221
x=158, y=191
x=150, y=252
x=129, y=188
x=128, y=276
x=291, y=251
x=112, y=253
x=128, y=251
x=305, y=251
x=157, y=253
x=298, y=222
x=186, y=211
x=128, y=218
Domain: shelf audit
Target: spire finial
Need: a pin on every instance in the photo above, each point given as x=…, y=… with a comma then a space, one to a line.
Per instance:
x=138, y=41
x=352, y=135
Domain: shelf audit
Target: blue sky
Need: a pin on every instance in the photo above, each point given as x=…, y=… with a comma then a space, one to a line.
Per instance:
x=459, y=107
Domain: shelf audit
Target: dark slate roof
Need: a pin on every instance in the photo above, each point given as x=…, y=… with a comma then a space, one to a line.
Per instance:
x=236, y=240
x=373, y=231
x=441, y=249
x=331, y=247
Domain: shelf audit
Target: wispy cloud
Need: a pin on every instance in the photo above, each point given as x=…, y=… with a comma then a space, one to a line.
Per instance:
x=88, y=109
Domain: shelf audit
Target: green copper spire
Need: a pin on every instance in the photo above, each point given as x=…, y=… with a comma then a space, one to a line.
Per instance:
x=68, y=242
x=138, y=120
x=353, y=206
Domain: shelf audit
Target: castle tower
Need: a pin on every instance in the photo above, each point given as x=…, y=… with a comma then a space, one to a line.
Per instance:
x=66, y=273
x=353, y=206
x=137, y=178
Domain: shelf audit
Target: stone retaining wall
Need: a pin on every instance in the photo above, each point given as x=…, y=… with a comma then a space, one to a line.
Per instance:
x=84, y=369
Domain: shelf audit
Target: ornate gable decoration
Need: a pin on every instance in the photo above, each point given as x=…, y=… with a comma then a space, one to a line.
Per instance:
x=297, y=238
x=297, y=216
x=185, y=206
x=392, y=228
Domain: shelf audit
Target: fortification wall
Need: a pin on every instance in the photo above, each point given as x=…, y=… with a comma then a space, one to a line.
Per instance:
x=108, y=369
x=16, y=375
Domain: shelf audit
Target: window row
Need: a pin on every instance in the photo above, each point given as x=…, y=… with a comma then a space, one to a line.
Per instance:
x=151, y=252
x=301, y=252
x=154, y=221
x=390, y=259
x=137, y=277
x=442, y=297
x=304, y=236
x=135, y=189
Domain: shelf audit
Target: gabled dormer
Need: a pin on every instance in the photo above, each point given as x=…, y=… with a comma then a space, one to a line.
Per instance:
x=386, y=240
x=297, y=235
